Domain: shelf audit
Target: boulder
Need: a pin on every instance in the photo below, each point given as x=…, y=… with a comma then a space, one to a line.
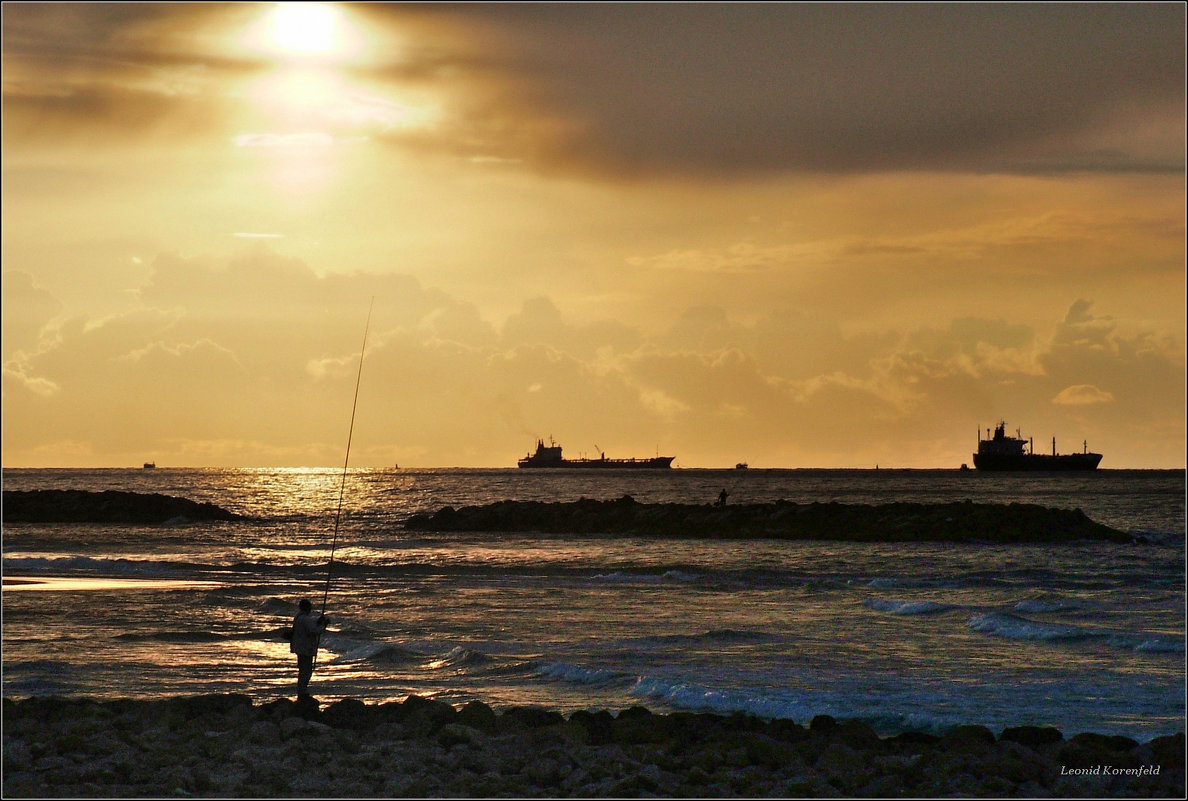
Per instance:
x=1034, y=737
x=349, y=713
x=1088, y=750
x=426, y=715
x=198, y=706
x=855, y=734
x=599, y=726
x=528, y=717
x=912, y=741
x=1169, y=750
x=968, y=738
x=453, y=734
x=822, y=724
x=307, y=707
x=479, y=716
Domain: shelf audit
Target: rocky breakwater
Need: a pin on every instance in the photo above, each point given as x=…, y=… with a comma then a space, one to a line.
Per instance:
x=110, y=506
x=893, y=522
x=224, y=745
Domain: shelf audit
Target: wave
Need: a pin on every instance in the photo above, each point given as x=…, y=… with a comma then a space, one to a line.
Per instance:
x=382, y=653
x=460, y=657
x=697, y=698
x=1036, y=606
x=579, y=675
x=906, y=607
x=1012, y=627
x=35, y=565
x=887, y=713
x=712, y=636
x=277, y=606
x=623, y=577
x=175, y=636
x=1145, y=644
x=1160, y=645
x=898, y=582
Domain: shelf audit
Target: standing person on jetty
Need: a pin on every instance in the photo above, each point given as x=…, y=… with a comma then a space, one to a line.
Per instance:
x=307, y=632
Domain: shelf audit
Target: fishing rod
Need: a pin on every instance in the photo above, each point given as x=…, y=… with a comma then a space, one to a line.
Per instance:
x=347, y=459
x=738, y=479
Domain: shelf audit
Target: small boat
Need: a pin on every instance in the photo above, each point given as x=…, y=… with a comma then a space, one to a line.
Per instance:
x=741, y=466
x=1001, y=452
x=150, y=465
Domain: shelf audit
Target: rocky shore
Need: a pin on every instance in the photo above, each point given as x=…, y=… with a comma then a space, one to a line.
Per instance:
x=226, y=746
x=110, y=506
x=892, y=522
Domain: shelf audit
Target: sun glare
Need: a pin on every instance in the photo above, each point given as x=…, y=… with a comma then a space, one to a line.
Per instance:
x=305, y=32
x=304, y=28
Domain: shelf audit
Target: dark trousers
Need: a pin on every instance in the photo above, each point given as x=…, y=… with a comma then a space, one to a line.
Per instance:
x=304, y=671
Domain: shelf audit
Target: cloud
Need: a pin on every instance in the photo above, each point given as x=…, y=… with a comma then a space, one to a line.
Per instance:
x=305, y=139
x=14, y=372
x=703, y=90
x=28, y=310
x=252, y=360
x=692, y=90
x=1082, y=395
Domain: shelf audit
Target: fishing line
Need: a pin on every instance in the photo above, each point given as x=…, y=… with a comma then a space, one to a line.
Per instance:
x=347, y=460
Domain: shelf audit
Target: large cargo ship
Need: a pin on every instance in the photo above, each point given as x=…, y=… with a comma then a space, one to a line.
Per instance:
x=1001, y=452
x=550, y=456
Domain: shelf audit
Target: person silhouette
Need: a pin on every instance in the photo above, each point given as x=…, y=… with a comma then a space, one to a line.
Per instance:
x=722, y=498
x=307, y=633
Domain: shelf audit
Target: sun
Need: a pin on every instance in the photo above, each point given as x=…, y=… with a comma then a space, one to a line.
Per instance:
x=304, y=29
x=304, y=32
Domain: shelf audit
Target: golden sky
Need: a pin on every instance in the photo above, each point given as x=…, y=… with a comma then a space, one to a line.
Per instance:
x=794, y=235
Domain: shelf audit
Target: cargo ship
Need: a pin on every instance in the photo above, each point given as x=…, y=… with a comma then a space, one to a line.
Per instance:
x=1001, y=452
x=550, y=456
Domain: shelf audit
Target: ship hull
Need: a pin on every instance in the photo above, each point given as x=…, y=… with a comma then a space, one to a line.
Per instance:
x=658, y=463
x=1029, y=461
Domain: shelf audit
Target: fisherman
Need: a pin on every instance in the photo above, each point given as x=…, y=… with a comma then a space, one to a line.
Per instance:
x=722, y=497
x=307, y=631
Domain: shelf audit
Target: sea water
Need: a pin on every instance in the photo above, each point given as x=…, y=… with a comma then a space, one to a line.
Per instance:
x=1086, y=636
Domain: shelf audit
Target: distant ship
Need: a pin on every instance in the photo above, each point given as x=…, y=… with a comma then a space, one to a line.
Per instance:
x=150, y=465
x=1007, y=453
x=550, y=456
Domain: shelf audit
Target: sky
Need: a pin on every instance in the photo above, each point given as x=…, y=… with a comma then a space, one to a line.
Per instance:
x=791, y=235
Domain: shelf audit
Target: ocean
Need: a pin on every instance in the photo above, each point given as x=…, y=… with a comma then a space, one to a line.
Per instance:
x=922, y=636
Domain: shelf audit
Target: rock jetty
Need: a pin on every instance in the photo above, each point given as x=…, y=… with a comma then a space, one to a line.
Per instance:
x=225, y=745
x=892, y=522
x=110, y=506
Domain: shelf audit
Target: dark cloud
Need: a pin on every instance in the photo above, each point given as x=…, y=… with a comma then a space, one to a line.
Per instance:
x=684, y=88
x=111, y=72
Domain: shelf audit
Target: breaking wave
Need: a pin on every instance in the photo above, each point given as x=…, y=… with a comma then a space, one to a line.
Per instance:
x=574, y=674
x=906, y=607
x=1012, y=627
